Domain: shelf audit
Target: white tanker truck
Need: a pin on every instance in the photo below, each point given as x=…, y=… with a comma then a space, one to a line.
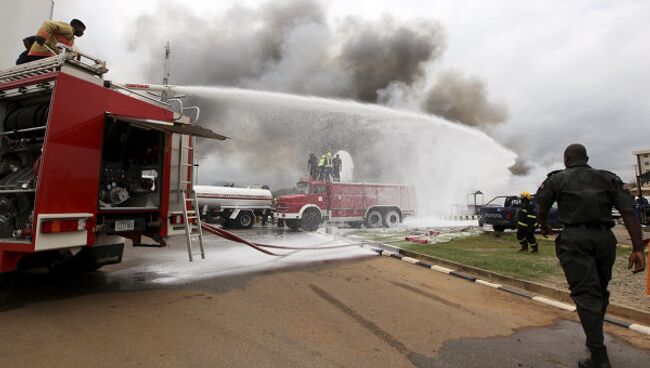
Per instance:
x=236, y=207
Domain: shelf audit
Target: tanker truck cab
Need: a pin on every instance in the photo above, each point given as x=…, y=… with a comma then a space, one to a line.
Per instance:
x=355, y=204
x=85, y=165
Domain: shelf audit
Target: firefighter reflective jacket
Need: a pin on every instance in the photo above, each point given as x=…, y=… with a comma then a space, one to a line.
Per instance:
x=328, y=160
x=526, y=217
x=321, y=161
x=53, y=32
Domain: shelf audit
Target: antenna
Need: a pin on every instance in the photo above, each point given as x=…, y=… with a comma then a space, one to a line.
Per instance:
x=52, y=3
x=166, y=70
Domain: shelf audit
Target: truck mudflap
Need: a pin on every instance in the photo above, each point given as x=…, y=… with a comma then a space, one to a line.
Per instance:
x=93, y=258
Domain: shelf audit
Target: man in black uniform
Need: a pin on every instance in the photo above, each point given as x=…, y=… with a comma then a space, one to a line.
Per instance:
x=526, y=223
x=312, y=166
x=586, y=247
x=336, y=165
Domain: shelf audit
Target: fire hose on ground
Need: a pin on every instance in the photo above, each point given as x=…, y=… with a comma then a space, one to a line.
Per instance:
x=260, y=247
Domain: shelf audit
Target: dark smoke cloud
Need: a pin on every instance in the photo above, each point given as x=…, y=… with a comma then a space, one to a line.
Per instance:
x=379, y=53
x=520, y=168
x=463, y=99
x=288, y=46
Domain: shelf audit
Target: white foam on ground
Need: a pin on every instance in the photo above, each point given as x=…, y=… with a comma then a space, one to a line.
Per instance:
x=224, y=258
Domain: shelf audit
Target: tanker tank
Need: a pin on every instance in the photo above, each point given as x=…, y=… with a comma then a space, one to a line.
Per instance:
x=235, y=207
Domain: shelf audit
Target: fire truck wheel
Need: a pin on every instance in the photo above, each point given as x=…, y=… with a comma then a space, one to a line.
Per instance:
x=293, y=225
x=310, y=220
x=391, y=218
x=498, y=228
x=245, y=219
x=374, y=219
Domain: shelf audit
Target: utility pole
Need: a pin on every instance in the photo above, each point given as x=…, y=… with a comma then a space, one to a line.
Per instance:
x=166, y=70
x=52, y=3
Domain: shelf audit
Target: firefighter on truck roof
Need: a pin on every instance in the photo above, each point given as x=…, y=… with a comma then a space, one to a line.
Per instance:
x=50, y=34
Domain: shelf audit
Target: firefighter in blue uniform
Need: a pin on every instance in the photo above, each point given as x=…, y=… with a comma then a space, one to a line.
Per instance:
x=586, y=247
x=526, y=223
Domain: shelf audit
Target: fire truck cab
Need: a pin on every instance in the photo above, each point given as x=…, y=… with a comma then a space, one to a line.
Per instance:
x=85, y=164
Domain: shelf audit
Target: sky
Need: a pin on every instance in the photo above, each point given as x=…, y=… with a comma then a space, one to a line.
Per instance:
x=565, y=72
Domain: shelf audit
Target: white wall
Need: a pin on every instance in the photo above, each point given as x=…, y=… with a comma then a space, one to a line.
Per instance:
x=19, y=19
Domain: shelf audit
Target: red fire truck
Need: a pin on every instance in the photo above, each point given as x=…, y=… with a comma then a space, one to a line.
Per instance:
x=85, y=164
x=375, y=205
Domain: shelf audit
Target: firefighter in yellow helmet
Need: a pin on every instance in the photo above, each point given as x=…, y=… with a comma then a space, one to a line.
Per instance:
x=526, y=223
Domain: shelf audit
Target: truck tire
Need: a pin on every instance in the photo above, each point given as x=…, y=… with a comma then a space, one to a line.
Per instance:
x=392, y=218
x=293, y=225
x=245, y=219
x=310, y=220
x=374, y=219
x=498, y=228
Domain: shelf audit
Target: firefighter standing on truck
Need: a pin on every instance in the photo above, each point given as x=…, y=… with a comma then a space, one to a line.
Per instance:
x=329, y=166
x=321, y=167
x=526, y=223
x=50, y=34
x=586, y=247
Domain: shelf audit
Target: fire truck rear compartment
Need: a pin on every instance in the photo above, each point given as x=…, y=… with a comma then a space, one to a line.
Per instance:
x=131, y=167
x=22, y=122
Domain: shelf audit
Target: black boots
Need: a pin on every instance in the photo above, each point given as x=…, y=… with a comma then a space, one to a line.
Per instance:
x=599, y=359
x=534, y=249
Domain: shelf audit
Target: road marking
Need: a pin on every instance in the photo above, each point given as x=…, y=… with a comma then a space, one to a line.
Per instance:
x=482, y=282
x=640, y=328
x=410, y=260
x=555, y=303
x=441, y=269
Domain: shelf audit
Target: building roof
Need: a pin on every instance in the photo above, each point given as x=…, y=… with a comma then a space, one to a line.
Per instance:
x=641, y=152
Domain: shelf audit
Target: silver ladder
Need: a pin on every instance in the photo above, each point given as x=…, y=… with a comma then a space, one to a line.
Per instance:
x=192, y=217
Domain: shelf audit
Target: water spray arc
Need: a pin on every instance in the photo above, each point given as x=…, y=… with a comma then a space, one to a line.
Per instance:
x=273, y=134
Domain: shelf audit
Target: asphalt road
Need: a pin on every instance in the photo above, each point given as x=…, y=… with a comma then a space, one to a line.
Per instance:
x=239, y=308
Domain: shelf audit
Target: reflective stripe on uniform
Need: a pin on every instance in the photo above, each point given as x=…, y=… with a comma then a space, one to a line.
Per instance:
x=521, y=224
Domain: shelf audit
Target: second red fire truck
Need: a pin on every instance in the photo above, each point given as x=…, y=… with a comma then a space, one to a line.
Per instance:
x=370, y=204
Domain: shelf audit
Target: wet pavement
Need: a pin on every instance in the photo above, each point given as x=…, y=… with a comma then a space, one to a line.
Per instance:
x=326, y=308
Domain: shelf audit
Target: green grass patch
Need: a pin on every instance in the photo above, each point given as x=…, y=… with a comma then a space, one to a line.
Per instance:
x=497, y=253
x=491, y=251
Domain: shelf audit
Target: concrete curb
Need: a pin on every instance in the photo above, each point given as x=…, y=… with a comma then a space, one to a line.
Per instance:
x=525, y=292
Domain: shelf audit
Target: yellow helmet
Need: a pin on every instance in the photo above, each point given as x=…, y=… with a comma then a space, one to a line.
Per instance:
x=526, y=195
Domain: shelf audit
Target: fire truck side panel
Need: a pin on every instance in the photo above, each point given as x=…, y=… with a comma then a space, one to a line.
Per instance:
x=68, y=180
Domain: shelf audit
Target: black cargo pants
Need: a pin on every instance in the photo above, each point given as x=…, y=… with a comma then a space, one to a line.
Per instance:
x=526, y=236
x=587, y=255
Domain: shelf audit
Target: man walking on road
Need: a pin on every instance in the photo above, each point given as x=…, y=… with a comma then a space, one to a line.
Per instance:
x=586, y=247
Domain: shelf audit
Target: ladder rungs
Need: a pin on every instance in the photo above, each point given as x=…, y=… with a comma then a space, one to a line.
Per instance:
x=190, y=199
x=188, y=147
x=185, y=182
x=192, y=217
x=189, y=165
